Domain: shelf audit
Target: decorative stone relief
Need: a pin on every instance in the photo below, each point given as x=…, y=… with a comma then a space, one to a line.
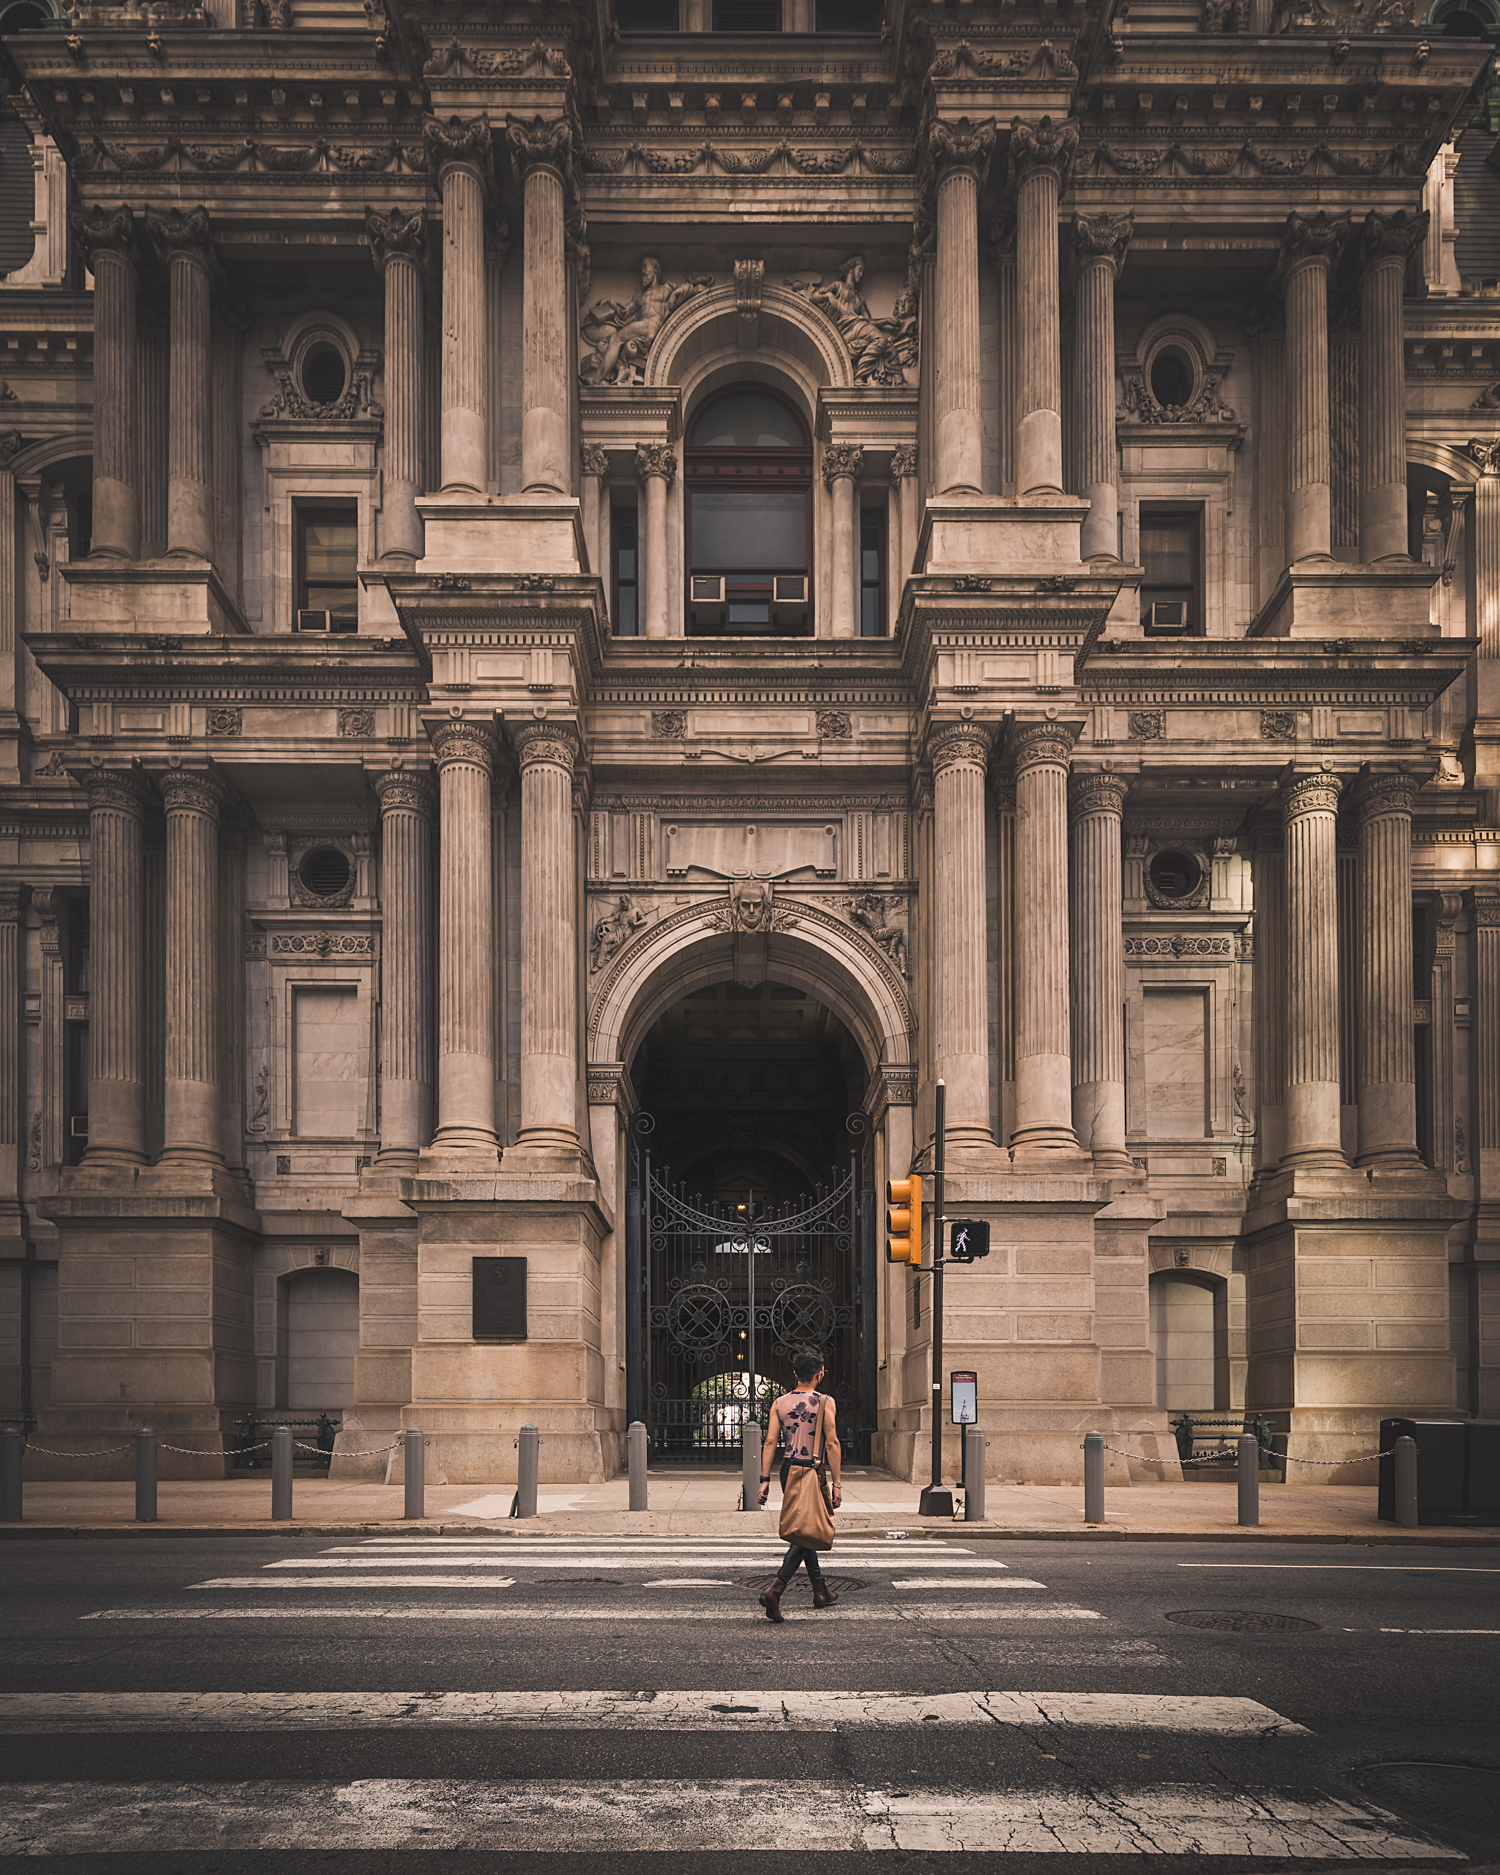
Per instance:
x=656, y=459
x=595, y=460
x=1179, y=944
x=226, y=722
x=613, y=931
x=356, y=721
x=880, y=350
x=619, y=333
x=750, y=850
x=842, y=462
x=668, y=725
x=340, y=944
x=885, y=921
x=751, y=910
x=835, y=725
x=1148, y=725
x=1278, y=725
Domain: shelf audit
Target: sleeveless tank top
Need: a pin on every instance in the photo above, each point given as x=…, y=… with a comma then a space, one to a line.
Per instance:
x=798, y=1413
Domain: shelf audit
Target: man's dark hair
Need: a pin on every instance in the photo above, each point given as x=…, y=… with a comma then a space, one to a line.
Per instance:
x=806, y=1362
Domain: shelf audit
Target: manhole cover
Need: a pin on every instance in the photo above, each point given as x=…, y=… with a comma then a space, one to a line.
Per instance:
x=1238, y=1621
x=1460, y=1796
x=840, y=1585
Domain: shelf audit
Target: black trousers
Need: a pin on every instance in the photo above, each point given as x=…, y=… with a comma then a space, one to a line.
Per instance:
x=797, y=1555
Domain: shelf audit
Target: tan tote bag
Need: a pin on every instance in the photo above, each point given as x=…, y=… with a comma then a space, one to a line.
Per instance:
x=806, y=1503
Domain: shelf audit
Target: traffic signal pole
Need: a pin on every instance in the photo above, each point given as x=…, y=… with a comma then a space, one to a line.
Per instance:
x=937, y=1499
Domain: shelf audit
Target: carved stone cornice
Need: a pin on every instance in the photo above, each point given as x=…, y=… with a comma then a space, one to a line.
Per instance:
x=191, y=791
x=556, y=743
x=1310, y=794
x=842, y=462
x=1307, y=238
x=450, y=141
x=396, y=236
x=176, y=231
x=955, y=743
x=121, y=789
x=13, y=902
x=1042, y=146
x=903, y=461
x=400, y=790
x=1102, y=238
x=595, y=460
x=464, y=744
x=1484, y=909
x=1040, y=745
x=1374, y=797
x=1392, y=237
x=1097, y=793
x=961, y=145
x=105, y=231
x=656, y=459
x=544, y=142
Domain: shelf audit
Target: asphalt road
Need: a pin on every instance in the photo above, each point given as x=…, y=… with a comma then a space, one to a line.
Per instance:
x=274, y=1703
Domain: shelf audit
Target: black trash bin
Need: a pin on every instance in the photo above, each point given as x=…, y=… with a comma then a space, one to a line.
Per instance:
x=1458, y=1469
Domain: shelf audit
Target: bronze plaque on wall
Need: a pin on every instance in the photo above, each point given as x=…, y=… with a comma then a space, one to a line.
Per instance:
x=499, y=1298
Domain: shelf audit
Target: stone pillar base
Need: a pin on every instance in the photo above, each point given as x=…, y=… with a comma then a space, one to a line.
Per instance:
x=1323, y=599
x=983, y=534
x=183, y=594
x=502, y=534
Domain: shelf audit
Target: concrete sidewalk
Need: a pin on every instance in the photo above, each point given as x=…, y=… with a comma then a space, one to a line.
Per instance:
x=705, y=1503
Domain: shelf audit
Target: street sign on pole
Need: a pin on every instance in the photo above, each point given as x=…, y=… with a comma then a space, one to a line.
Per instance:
x=968, y=1239
x=963, y=1404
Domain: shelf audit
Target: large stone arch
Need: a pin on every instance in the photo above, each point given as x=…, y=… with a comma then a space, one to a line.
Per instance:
x=794, y=334
x=809, y=948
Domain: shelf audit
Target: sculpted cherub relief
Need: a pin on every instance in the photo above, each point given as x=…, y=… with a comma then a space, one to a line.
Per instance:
x=879, y=349
x=885, y=921
x=621, y=335
x=612, y=931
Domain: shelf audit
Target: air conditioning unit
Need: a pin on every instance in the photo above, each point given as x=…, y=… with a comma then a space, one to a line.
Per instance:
x=706, y=597
x=789, y=598
x=311, y=622
x=337, y=624
x=1169, y=617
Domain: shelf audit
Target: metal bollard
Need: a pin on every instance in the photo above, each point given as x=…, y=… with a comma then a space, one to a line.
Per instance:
x=1093, y=1477
x=526, y=1467
x=145, y=1476
x=750, y=1465
x=281, y=1473
x=636, y=1440
x=974, y=1450
x=416, y=1473
x=1249, y=1479
x=12, y=1451
x=1406, y=1483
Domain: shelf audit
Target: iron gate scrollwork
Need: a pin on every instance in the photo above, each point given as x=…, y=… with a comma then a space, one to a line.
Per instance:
x=724, y=1294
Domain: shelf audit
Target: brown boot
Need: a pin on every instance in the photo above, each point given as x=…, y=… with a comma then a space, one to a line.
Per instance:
x=770, y=1599
x=823, y=1596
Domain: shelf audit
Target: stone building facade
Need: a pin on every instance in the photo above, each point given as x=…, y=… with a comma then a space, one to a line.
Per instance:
x=864, y=550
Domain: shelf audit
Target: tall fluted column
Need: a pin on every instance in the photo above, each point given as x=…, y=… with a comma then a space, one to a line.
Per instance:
x=1487, y=548
x=1309, y=818
x=117, y=968
x=841, y=467
x=656, y=465
x=184, y=241
x=496, y=253
x=904, y=475
x=12, y=1055
x=1100, y=244
x=543, y=157
x=595, y=498
x=191, y=1133
x=1310, y=246
x=1387, y=1051
x=465, y=757
x=107, y=238
x=1044, y=1065
x=398, y=243
x=960, y=153
x=548, y=753
x=961, y=1056
x=1041, y=157
x=1007, y=360
x=1096, y=804
x=406, y=804
x=1388, y=244
x=460, y=154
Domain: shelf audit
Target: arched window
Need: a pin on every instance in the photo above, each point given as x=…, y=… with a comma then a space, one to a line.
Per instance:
x=749, y=477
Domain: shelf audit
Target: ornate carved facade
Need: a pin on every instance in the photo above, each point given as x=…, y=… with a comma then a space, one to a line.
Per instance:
x=790, y=650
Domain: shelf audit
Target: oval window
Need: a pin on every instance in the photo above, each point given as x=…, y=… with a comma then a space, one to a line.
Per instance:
x=1175, y=875
x=324, y=373
x=325, y=871
x=1171, y=380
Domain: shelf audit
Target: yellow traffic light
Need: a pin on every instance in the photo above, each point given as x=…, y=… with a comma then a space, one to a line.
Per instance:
x=903, y=1220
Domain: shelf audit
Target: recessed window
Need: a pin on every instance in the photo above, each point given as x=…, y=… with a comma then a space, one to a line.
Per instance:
x=1175, y=875
x=1171, y=554
x=849, y=16
x=327, y=569
x=623, y=522
x=749, y=518
x=1171, y=379
x=324, y=871
x=872, y=534
x=646, y=16
x=747, y=16
x=325, y=375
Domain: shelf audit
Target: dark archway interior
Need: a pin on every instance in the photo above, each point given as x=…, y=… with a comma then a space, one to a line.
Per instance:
x=750, y=1088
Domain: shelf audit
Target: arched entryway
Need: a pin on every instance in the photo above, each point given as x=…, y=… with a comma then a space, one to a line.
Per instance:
x=319, y=1324
x=1189, y=1339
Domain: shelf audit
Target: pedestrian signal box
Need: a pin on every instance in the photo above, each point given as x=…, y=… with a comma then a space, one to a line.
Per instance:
x=903, y=1220
x=968, y=1239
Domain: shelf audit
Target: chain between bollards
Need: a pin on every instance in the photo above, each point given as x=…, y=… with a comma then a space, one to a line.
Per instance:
x=1093, y=1477
x=635, y=1438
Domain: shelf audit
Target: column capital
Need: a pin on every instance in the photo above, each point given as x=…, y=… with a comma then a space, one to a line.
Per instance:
x=556, y=743
x=656, y=459
x=13, y=899
x=962, y=144
x=463, y=744
x=404, y=788
x=120, y=788
x=1487, y=455
x=594, y=458
x=105, y=231
x=186, y=233
x=1102, y=238
x=1484, y=908
x=396, y=236
x=842, y=462
x=1309, y=794
x=191, y=791
x=543, y=143
x=903, y=461
x=1040, y=146
x=1097, y=793
x=1310, y=238
x=453, y=143
x=1040, y=745
x=1391, y=237
x=1373, y=797
x=952, y=744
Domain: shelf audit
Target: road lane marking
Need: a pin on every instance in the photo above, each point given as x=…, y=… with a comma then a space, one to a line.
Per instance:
x=1447, y=1569
x=700, y=1815
x=968, y=1582
x=748, y=1559
x=1430, y=1630
x=553, y=1611
x=817, y=1711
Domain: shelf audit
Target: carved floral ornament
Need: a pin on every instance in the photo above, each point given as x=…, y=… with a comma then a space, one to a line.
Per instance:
x=903, y=461
x=1042, y=146
x=1307, y=239
x=396, y=236
x=449, y=141
x=1036, y=745
x=957, y=743
x=842, y=462
x=1392, y=237
x=556, y=743
x=658, y=459
x=1328, y=19
x=961, y=144
x=1102, y=238
x=459, y=742
x=594, y=460
x=400, y=791
x=191, y=791
x=104, y=231
x=1042, y=61
x=1310, y=794
x=177, y=231
x=120, y=789
x=1485, y=454
x=1377, y=797
x=1097, y=793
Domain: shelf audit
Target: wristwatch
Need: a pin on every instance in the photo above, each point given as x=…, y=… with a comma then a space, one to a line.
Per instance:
x=765, y=1477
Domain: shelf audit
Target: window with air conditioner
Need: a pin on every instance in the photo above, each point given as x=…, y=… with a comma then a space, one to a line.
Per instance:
x=1172, y=556
x=327, y=583
x=748, y=480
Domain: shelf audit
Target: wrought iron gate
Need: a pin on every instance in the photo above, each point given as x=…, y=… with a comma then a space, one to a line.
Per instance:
x=719, y=1298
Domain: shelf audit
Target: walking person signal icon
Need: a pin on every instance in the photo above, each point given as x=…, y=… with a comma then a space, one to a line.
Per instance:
x=968, y=1239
